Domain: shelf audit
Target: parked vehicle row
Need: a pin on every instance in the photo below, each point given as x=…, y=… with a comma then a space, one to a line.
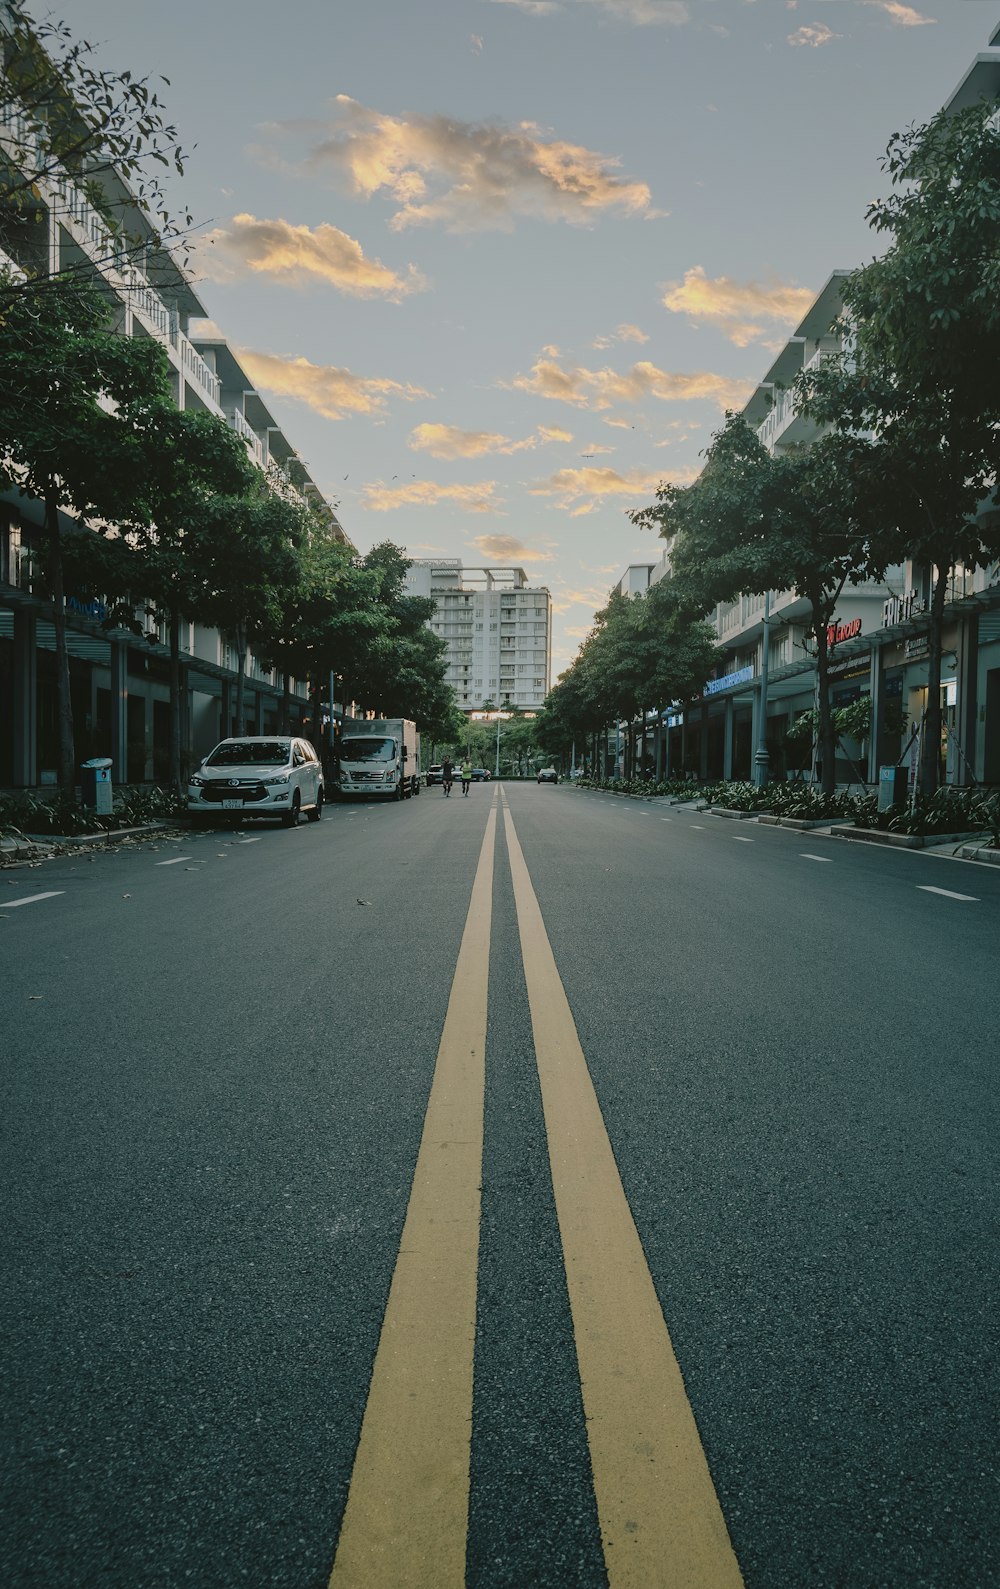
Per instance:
x=271, y=775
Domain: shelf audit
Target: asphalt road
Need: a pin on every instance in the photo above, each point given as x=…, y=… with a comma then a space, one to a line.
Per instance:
x=218, y=1053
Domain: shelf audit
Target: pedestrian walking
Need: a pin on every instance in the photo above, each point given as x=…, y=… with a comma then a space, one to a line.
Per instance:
x=466, y=776
x=447, y=777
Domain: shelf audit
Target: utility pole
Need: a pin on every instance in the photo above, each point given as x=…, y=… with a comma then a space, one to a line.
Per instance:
x=761, y=761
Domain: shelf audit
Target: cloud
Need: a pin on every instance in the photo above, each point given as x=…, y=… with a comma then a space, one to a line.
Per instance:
x=508, y=549
x=479, y=498
x=600, y=389
x=301, y=254
x=736, y=307
x=475, y=44
x=448, y=441
x=904, y=16
x=813, y=35
x=579, y=490
x=624, y=333
x=593, y=598
x=467, y=176
x=640, y=13
x=329, y=390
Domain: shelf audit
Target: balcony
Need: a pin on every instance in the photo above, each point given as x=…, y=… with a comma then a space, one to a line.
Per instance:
x=249, y=435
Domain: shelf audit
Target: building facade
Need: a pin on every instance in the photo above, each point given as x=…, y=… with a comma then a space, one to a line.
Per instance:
x=498, y=630
x=878, y=637
x=119, y=681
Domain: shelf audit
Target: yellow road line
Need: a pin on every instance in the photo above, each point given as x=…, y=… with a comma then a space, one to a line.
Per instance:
x=661, y=1522
x=406, y=1518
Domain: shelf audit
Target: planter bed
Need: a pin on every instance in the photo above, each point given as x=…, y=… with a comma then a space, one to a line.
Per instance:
x=902, y=841
x=981, y=852
x=795, y=822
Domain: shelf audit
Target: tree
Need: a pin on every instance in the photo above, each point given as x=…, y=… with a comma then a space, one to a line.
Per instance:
x=244, y=553
x=70, y=391
x=918, y=375
x=66, y=120
x=753, y=523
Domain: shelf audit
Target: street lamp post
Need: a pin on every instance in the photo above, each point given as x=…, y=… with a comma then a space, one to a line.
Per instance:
x=761, y=761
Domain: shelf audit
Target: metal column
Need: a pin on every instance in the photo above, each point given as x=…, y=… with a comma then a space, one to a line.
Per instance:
x=25, y=703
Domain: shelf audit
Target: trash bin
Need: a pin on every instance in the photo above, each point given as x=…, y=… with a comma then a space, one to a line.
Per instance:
x=95, y=785
x=892, y=788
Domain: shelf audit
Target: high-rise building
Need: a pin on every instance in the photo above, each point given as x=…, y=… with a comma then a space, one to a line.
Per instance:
x=498, y=629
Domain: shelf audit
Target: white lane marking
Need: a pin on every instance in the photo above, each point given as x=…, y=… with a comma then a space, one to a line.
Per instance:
x=249, y=841
x=666, y=819
x=738, y=837
x=30, y=899
x=926, y=888
x=806, y=857
x=699, y=826
x=175, y=860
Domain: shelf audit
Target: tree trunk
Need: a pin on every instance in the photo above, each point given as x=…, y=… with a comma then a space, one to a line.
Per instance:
x=658, y=769
x=64, y=699
x=826, y=737
x=316, y=729
x=930, y=750
x=285, y=717
x=241, y=680
x=175, y=699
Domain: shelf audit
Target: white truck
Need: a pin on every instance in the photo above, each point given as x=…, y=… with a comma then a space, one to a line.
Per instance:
x=378, y=756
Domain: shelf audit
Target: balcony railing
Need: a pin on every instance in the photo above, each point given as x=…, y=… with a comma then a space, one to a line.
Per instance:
x=249, y=435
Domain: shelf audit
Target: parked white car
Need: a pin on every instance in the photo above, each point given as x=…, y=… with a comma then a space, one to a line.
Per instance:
x=264, y=776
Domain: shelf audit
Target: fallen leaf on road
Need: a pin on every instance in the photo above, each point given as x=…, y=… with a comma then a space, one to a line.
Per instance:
x=126, y=896
x=35, y=996
x=364, y=901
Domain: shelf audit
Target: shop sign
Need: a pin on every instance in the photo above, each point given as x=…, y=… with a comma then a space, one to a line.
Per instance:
x=900, y=609
x=87, y=609
x=849, y=667
x=743, y=676
x=917, y=648
x=836, y=632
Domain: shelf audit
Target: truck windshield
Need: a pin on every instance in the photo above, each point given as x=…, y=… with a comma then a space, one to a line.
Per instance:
x=367, y=749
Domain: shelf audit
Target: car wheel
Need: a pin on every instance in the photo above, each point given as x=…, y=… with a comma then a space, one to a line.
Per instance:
x=416, y=787
x=290, y=819
x=317, y=810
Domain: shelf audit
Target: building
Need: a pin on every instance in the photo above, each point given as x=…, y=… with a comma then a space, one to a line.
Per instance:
x=118, y=681
x=498, y=630
x=878, y=634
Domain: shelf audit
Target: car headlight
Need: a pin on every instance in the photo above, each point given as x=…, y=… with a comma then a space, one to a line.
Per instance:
x=387, y=777
x=194, y=782
x=281, y=777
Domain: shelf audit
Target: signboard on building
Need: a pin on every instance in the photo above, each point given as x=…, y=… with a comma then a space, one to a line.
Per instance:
x=728, y=680
x=900, y=609
x=836, y=632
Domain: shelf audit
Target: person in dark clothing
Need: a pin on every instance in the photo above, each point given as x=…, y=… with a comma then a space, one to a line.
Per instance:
x=447, y=776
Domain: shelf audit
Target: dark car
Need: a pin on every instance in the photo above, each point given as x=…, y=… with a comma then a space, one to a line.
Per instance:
x=481, y=775
x=547, y=775
x=433, y=774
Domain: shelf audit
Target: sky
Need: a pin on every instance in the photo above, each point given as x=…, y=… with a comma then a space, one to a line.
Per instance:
x=501, y=266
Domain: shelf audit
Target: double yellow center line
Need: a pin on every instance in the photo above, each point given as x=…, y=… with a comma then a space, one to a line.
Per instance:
x=406, y=1518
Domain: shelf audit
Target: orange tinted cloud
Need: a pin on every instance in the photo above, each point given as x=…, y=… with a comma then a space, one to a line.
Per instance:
x=813, y=36
x=301, y=254
x=736, y=308
x=330, y=390
x=448, y=441
x=640, y=13
x=508, y=549
x=469, y=176
x=479, y=498
x=601, y=389
x=579, y=490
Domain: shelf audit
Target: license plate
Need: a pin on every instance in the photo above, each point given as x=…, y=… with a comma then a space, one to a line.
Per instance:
x=232, y=805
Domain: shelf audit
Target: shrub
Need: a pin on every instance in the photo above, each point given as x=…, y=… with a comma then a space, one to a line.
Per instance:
x=61, y=816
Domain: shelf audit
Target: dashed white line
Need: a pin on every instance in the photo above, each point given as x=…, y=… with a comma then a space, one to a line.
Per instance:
x=806, y=857
x=175, y=860
x=666, y=819
x=926, y=888
x=699, y=825
x=249, y=841
x=31, y=899
x=739, y=839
